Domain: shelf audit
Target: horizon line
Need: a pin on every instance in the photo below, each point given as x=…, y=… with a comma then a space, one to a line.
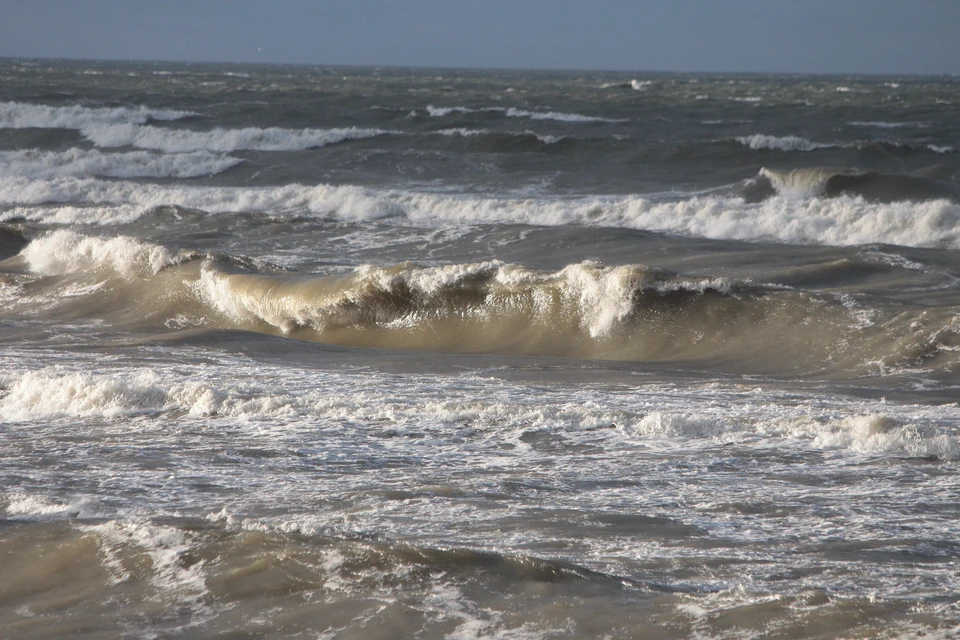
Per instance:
x=473, y=68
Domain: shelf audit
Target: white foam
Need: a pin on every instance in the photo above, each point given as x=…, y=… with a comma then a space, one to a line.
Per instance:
x=52, y=393
x=869, y=433
x=658, y=424
x=882, y=434
x=657, y=415
x=32, y=163
x=555, y=115
x=801, y=183
x=219, y=139
x=121, y=202
x=63, y=252
x=889, y=125
x=462, y=131
x=781, y=143
x=47, y=394
x=601, y=297
x=440, y=112
x=833, y=221
x=24, y=505
x=21, y=115
x=468, y=133
x=603, y=294
x=166, y=548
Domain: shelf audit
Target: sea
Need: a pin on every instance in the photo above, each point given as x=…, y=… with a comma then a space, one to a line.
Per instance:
x=362, y=353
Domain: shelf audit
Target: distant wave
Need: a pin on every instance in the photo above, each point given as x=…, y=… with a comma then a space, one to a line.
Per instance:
x=473, y=133
x=219, y=139
x=636, y=85
x=781, y=143
x=759, y=141
x=33, y=163
x=21, y=115
x=554, y=115
x=513, y=112
x=440, y=112
x=890, y=125
x=840, y=220
x=870, y=185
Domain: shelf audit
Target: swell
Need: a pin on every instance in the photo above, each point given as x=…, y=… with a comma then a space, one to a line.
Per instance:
x=585, y=310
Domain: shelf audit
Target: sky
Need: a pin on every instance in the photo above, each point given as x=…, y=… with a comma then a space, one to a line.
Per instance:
x=798, y=36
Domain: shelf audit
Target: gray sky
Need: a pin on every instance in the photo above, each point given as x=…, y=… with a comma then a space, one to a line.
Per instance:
x=819, y=36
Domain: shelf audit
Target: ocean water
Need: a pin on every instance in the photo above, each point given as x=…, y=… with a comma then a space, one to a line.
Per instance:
x=308, y=352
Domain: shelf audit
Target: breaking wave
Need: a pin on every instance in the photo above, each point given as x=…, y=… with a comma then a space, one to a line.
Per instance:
x=763, y=213
x=585, y=310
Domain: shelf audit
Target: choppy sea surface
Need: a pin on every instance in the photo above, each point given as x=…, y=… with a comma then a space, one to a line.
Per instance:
x=308, y=352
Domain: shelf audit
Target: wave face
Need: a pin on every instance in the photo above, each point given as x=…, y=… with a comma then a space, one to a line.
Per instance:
x=297, y=351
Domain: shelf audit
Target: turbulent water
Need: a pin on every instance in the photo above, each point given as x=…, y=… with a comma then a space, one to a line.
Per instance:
x=383, y=353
